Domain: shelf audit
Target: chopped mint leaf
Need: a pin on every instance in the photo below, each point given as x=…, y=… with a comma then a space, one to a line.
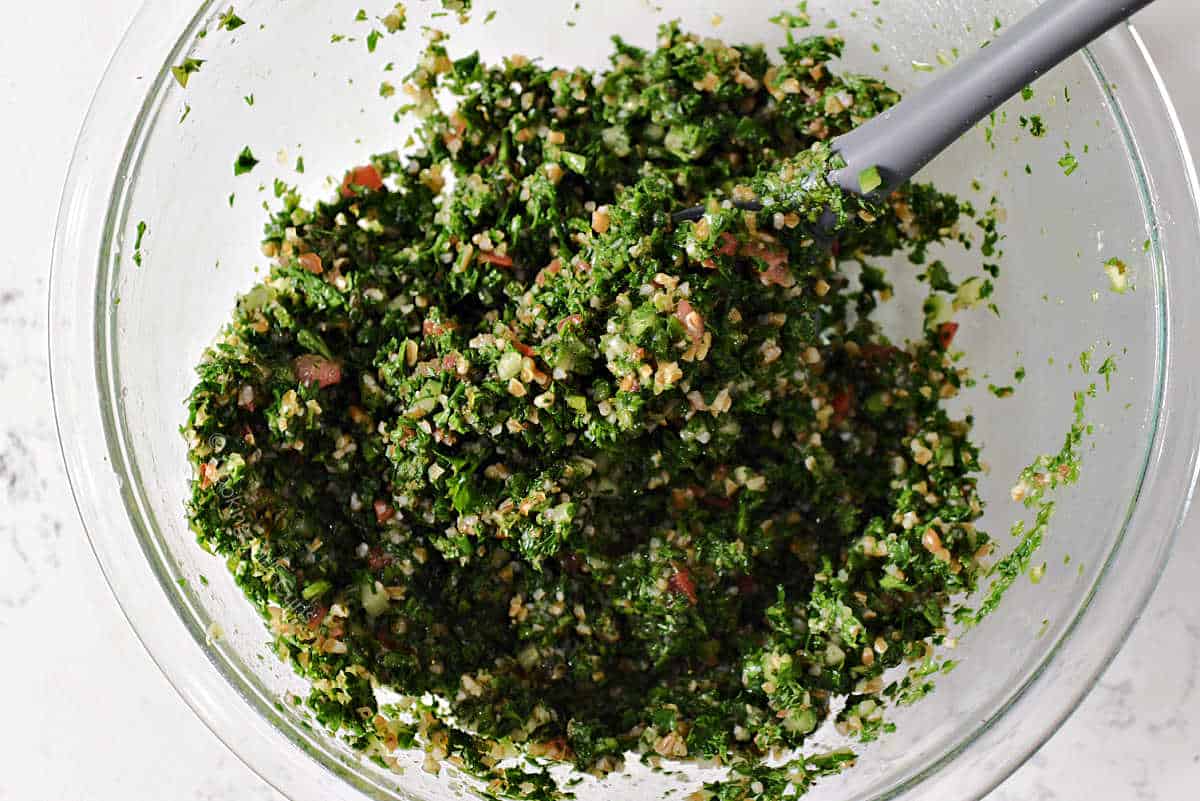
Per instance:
x=186, y=111
x=1027, y=93
x=361, y=16
x=184, y=71
x=491, y=15
x=300, y=164
x=249, y=99
x=373, y=40
x=922, y=66
x=245, y=162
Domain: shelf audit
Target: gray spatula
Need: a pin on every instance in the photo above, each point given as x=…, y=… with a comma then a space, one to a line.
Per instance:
x=905, y=138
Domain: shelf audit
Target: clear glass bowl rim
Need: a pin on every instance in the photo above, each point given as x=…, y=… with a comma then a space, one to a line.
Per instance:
x=84, y=243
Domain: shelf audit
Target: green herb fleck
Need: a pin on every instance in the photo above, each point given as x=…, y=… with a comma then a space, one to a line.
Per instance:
x=1118, y=275
x=869, y=180
x=186, y=69
x=1108, y=368
x=245, y=162
x=231, y=21
x=137, y=245
x=1068, y=163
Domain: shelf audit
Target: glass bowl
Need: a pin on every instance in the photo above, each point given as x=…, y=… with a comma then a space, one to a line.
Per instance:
x=124, y=339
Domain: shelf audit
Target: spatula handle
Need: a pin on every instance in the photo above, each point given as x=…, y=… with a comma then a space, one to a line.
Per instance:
x=902, y=140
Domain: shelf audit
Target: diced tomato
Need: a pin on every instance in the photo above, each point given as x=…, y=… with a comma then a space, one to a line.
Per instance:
x=693, y=323
x=717, y=502
x=571, y=562
x=383, y=511
x=208, y=475
x=746, y=584
x=384, y=636
x=491, y=257
x=317, y=615
x=841, y=405
x=311, y=262
x=377, y=559
x=557, y=750
x=550, y=270
x=681, y=582
x=365, y=177
x=313, y=369
x=878, y=353
x=778, y=275
x=945, y=334
x=773, y=255
x=570, y=319
x=729, y=244
x=430, y=328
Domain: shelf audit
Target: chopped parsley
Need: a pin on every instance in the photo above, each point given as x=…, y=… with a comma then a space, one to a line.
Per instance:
x=245, y=162
x=1035, y=124
x=582, y=483
x=186, y=69
x=1068, y=163
x=137, y=245
x=230, y=21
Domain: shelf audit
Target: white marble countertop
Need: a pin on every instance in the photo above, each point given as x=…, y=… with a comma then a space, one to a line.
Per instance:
x=88, y=716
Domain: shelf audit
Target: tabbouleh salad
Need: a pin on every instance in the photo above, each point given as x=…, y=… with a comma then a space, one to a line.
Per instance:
x=582, y=484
